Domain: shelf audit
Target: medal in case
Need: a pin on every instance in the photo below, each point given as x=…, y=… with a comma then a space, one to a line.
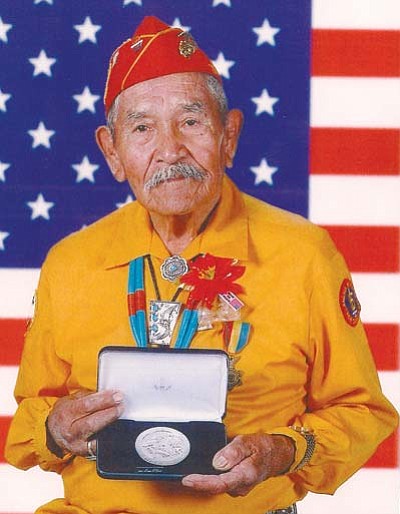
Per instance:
x=163, y=446
x=172, y=423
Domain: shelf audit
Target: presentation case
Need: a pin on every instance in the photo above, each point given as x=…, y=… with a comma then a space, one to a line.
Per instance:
x=174, y=400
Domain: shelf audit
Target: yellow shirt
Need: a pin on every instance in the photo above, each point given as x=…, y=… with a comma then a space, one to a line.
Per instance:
x=304, y=364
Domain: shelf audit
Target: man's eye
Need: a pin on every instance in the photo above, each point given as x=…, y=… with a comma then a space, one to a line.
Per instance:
x=191, y=122
x=141, y=128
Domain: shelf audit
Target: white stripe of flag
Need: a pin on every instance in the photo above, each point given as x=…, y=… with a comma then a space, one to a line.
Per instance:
x=355, y=102
x=19, y=286
x=379, y=295
x=355, y=200
x=356, y=14
x=367, y=492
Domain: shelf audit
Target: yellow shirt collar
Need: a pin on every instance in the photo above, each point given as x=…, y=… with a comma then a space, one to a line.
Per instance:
x=226, y=235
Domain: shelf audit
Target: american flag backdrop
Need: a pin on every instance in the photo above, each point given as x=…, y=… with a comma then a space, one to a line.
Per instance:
x=327, y=147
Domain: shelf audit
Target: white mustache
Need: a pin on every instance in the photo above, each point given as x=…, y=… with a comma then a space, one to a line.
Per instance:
x=174, y=171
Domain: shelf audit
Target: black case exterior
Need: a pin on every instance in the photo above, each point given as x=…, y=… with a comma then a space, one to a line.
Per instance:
x=117, y=457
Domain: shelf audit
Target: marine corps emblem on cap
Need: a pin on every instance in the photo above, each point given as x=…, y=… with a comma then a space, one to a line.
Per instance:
x=349, y=303
x=187, y=45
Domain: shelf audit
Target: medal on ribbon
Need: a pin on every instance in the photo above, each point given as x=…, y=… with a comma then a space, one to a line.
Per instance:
x=236, y=337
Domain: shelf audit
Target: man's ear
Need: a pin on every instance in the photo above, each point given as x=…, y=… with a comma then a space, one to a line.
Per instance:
x=233, y=126
x=106, y=144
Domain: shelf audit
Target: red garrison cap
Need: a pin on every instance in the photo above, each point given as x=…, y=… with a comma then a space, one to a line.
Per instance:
x=155, y=49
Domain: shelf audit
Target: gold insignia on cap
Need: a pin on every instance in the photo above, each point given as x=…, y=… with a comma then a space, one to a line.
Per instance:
x=187, y=45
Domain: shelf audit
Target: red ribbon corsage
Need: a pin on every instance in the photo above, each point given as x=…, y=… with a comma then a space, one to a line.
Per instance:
x=209, y=276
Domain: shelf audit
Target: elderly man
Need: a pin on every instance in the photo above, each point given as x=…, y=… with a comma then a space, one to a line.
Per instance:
x=304, y=410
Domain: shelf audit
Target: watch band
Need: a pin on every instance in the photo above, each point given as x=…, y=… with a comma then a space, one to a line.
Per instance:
x=311, y=442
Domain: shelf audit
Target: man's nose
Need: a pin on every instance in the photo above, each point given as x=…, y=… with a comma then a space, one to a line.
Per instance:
x=171, y=147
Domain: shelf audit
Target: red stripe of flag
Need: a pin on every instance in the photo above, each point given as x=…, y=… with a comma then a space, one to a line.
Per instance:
x=368, y=249
x=4, y=426
x=12, y=333
x=384, y=343
x=356, y=53
x=355, y=151
x=386, y=454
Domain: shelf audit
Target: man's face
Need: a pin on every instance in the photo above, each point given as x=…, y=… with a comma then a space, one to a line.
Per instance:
x=171, y=144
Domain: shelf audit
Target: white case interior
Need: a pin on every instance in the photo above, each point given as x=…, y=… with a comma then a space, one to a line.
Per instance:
x=167, y=386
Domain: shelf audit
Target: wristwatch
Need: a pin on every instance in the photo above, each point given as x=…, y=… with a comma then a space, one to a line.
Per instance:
x=310, y=440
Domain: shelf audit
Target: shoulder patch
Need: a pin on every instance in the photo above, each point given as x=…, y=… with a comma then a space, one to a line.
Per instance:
x=349, y=303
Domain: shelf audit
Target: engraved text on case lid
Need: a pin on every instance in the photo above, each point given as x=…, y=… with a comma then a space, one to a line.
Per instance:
x=162, y=446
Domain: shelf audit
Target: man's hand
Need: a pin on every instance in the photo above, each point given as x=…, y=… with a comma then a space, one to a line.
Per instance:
x=247, y=460
x=74, y=419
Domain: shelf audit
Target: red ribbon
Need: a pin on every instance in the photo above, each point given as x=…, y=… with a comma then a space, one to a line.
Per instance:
x=209, y=276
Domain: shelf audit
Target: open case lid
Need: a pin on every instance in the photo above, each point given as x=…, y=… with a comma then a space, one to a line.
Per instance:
x=166, y=384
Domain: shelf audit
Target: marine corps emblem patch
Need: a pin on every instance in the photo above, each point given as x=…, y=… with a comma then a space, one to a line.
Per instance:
x=349, y=303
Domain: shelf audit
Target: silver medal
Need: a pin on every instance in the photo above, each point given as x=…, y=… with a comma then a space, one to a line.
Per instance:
x=173, y=268
x=162, y=320
x=162, y=446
